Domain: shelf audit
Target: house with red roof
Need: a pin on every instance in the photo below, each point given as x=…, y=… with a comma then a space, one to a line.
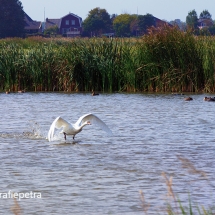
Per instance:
x=205, y=23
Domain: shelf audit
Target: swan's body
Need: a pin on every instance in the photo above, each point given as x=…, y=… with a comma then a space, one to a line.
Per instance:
x=73, y=129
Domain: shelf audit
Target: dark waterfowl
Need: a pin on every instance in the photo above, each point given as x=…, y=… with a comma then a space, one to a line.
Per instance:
x=94, y=94
x=209, y=99
x=8, y=92
x=188, y=99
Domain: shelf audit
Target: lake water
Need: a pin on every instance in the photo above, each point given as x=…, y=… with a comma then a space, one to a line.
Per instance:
x=101, y=174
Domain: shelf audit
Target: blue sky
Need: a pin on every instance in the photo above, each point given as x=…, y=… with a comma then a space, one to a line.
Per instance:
x=163, y=9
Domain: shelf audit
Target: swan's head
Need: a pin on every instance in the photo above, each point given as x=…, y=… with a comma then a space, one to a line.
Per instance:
x=88, y=123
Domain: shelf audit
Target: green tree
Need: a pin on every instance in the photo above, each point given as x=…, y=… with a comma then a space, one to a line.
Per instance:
x=97, y=22
x=134, y=27
x=181, y=25
x=122, y=25
x=52, y=30
x=205, y=15
x=212, y=29
x=145, y=22
x=12, y=22
x=192, y=19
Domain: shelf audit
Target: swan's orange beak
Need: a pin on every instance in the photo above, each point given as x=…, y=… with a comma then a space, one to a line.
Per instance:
x=88, y=123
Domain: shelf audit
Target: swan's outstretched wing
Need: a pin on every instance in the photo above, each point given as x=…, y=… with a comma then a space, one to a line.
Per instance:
x=57, y=123
x=94, y=120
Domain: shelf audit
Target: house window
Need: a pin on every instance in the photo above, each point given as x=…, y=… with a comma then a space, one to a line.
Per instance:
x=67, y=22
x=64, y=30
x=73, y=22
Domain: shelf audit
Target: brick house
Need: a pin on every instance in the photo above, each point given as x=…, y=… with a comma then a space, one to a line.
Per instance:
x=157, y=25
x=69, y=25
x=205, y=23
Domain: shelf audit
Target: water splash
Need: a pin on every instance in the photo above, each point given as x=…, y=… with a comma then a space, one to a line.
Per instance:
x=34, y=132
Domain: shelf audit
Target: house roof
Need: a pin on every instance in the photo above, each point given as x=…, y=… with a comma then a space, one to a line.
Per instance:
x=80, y=19
x=31, y=24
x=52, y=22
x=72, y=15
x=205, y=20
x=160, y=22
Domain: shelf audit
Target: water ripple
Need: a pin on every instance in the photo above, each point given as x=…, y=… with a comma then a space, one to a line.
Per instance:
x=98, y=174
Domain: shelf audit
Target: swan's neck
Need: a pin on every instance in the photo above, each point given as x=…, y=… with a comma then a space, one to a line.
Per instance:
x=86, y=123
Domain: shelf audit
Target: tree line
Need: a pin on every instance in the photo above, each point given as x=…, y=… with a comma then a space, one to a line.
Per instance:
x=192, y=22
x=98, y=22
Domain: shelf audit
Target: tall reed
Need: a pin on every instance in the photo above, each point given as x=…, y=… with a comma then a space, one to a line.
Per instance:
x=173, y=60
x=164, y=60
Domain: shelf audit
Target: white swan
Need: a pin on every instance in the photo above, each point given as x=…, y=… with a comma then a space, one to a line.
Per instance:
x=73, y=129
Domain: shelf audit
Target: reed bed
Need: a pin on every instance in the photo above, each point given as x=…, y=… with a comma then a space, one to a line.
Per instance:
x=164, y=60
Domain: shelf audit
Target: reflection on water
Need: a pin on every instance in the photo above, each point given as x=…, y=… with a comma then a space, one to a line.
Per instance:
x=98, y=174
